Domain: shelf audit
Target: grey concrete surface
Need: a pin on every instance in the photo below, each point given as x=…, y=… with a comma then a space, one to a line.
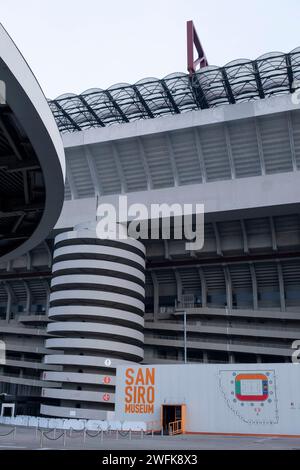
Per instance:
x=28, y=438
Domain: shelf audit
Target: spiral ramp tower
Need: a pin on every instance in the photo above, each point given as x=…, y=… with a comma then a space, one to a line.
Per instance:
x=97, y=321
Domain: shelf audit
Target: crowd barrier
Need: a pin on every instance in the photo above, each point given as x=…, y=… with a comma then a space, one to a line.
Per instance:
x=11, y=432
x=68, y=437
x=74, y=424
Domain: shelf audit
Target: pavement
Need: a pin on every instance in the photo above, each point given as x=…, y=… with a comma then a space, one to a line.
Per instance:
x=30, y=438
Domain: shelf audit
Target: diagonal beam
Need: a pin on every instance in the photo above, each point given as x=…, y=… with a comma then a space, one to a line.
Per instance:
x=26, y=187
x=66, y=115
x=48, y=291
x=198, y=93
x=281, y=287
x=218, y=238
x=228, y=285
x=260, y=147
x=170, y=97
x=10, y=139
x=290, y=72
x=93, y=170
x=292, y=140
x=118, y=163
x=142, y=100
x=172, y=159
x=258, y=80
x=18, y=223
x=229, y=151
x=203, y=287
x=245, y=237
x=254, y=286
x=49, y=253
x=179, y=287
x=29, y=296
x=200, y=154
x=143, y=156
x=71, y=180
x=91, y=111
x=227, y=86
x=273, y=234
x=116, y=106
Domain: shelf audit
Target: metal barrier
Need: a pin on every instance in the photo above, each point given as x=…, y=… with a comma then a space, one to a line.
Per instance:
x=54, y=438
x=77, y=432
x=175, y=428
x=67, y=435
x=12, y=431
x=154, y=427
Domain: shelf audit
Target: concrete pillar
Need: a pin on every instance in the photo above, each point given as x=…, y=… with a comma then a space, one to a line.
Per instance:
x=254, y=287
x=231, y=358
x=28, y=298
x=155, y=294
x=203, y=287
x=9, y=301
x=228, y=287
x=205, y=357
x=281, y=288
x=178, y=285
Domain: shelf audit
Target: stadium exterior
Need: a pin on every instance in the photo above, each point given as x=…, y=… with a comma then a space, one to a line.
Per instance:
x=31, y=158
x=226, y=137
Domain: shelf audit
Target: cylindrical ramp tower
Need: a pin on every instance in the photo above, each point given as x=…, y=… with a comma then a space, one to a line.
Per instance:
x=97, y=313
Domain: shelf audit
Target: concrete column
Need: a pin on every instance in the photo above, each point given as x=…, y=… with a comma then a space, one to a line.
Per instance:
x=254, y=287
x=28, y=297
x=178, y=285
x=203, y=287
x=281, y=287
x=205, y=357
x=47, y=289
x=9, y=301
x=155, y=294
x=228, y=287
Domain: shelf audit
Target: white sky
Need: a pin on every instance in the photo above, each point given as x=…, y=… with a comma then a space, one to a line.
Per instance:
x=73, y=45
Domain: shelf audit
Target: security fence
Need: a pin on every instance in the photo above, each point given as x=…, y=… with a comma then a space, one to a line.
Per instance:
x=66, y=438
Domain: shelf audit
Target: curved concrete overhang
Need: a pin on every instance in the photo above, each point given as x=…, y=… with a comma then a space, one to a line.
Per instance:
x=32, y=160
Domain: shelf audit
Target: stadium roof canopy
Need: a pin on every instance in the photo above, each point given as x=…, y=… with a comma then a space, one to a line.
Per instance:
x=32, y=159
x=238, y=81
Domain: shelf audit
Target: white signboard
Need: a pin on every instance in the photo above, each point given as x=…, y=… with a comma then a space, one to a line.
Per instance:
x=226, y=398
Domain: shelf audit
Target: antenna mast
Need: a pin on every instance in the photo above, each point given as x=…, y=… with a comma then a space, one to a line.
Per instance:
x=193, y=41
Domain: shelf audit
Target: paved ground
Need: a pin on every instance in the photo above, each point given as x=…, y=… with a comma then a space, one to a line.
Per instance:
x=28, y=438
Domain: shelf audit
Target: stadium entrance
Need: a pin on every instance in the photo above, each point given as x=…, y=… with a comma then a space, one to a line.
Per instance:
x=173, y=419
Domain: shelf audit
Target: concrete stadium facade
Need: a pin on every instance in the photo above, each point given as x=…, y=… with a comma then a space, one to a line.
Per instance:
x=241, y=292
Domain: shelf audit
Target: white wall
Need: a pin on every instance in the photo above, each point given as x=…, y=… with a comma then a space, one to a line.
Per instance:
x=208, y=390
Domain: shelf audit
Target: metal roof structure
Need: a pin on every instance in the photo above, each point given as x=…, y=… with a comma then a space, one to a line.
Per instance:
x=239, y=81
x=21, y=181
x=31, y=157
